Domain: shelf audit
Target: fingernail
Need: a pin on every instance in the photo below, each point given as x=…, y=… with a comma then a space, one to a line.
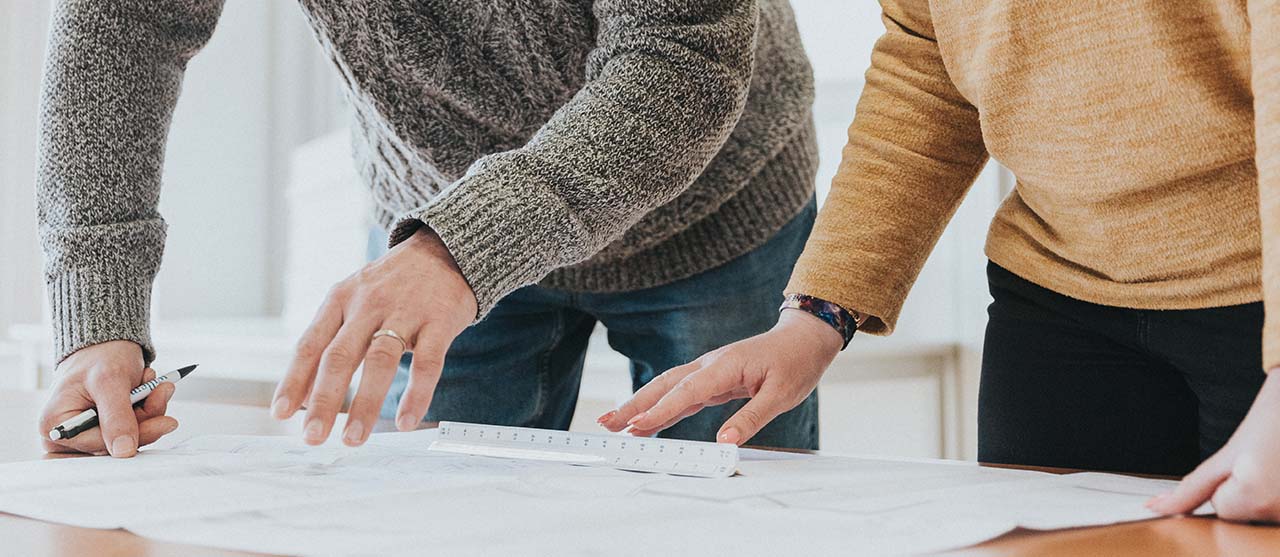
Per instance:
x=730, y=435
x=405, y=423
x=315, y=431
x=355, y=433
x=123, y=445
x=606, y=416
x=280, y=408
x=172, y=427
x=637, y=418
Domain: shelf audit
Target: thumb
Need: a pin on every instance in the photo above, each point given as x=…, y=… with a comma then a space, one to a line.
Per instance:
x=1194, y=489
x=753, y=416
x=116, y=418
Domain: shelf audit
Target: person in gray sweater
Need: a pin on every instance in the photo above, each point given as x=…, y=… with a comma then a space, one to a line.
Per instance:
x=540, y=166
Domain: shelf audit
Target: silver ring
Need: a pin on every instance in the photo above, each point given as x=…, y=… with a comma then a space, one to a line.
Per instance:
x=404, y=346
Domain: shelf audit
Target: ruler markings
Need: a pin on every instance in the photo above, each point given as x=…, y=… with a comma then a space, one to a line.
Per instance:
x=669, y=456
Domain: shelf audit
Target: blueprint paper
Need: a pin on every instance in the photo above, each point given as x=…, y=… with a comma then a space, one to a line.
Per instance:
x=393, y=496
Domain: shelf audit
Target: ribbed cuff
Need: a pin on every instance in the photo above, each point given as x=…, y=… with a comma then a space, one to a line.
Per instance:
x=481, y=221
x=91, y=308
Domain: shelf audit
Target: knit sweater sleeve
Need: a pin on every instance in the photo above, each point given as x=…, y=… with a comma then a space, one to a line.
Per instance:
x=915, y=147
x=665, y=85
x=111, y=80
x=1264, y=23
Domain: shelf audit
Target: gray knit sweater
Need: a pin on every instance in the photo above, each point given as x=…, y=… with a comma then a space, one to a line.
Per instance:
x=604, y=145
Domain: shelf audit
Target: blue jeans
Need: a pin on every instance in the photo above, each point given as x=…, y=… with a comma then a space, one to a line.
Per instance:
x=522, y=364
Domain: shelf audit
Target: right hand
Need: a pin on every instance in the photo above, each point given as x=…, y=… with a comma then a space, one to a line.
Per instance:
x=101, y=376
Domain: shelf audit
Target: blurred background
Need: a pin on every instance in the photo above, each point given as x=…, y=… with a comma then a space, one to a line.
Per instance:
x=259, y=146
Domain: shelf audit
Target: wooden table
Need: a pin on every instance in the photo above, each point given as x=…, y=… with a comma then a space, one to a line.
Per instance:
x=20, y=536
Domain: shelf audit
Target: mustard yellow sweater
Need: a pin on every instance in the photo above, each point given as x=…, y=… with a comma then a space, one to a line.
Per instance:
x=1140, y=147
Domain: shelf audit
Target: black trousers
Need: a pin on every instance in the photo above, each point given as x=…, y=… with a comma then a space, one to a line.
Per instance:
x=1072, y=384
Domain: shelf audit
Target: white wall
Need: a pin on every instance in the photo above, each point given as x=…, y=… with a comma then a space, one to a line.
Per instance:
x=838, y=35
x=22, y=27
x=260, y=88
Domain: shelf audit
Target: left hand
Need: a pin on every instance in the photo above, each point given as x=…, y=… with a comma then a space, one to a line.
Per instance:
x=776, y=370
x=416, y=290
x=1243, y=478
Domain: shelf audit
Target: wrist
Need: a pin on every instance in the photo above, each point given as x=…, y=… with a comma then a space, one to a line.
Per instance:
x=844, y=322
x=433, y=247
x=809, y=326
x=117, y=354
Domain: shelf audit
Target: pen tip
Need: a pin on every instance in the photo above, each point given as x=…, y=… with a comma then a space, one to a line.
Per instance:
x=184, y=371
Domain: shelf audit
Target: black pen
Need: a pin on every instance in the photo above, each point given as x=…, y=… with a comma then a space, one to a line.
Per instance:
x=89, y=418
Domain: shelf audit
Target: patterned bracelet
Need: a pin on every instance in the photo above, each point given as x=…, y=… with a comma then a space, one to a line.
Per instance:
x=842, y=320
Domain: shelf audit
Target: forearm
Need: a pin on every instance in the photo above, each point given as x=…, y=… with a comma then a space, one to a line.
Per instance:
x=665, y=87
x=914, y=149
x=111, y=80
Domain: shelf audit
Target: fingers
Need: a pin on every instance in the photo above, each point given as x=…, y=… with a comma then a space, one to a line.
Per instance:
x=646, y=397
x=696, y=389
x=156, y=404
x=293, y=388
x=1230, y=502
x=428, y=361
x=380, y=365
x=761, y=409
x=337, y=364
x=117, y=423
x=91, y=440
x=689, y=412
x=153, y=429
x=1195, y=488
x=152, y=421
x=684, y=414
x=1250, y=493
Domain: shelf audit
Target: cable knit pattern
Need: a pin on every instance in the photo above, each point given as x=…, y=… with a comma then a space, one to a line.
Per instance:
x=604, y=145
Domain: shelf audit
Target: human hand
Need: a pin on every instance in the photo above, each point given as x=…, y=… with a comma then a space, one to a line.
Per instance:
x=101, y=376
x=416, y=290
x=1243, y=478
x=776, y=370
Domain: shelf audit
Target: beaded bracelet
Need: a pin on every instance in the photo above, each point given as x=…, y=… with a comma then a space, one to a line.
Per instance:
x=842, y=320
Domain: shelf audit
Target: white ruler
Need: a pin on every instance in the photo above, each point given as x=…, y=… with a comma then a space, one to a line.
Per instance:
x=643, y=454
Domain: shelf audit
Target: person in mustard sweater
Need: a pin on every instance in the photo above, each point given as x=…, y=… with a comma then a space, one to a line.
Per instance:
x=1131, y=268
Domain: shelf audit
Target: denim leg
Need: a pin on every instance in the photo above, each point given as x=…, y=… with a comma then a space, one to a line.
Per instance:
x=663, y=327
x=521, y=366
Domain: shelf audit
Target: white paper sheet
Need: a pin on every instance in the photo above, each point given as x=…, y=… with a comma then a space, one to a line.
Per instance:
x=276, y=495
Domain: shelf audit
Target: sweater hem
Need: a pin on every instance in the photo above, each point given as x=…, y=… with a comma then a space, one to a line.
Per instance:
x=1155, y=296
